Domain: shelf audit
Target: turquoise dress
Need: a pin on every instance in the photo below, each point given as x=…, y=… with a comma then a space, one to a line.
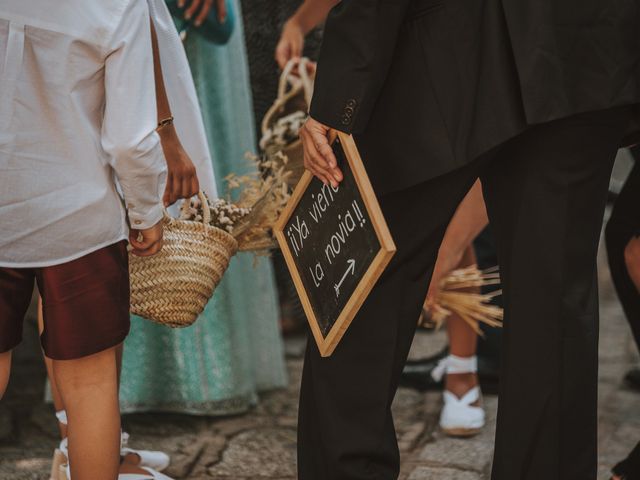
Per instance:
x=234, y=350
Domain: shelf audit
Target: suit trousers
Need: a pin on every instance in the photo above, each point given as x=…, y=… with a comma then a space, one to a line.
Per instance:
x=545, y=192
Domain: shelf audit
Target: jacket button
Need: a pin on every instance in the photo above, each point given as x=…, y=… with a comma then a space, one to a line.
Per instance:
x=351, y=103
x=346, y=120
x=348, y=111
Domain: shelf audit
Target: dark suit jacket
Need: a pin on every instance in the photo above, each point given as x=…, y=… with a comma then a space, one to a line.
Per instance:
x=427, y=86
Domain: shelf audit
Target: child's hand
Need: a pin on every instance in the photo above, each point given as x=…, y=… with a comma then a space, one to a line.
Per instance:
x=146, y=242
x=182, y=180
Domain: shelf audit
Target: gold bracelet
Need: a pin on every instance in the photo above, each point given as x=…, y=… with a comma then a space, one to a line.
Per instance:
x=163, y=123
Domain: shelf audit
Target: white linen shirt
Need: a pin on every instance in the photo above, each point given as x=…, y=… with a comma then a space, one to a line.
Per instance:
x=77, y=111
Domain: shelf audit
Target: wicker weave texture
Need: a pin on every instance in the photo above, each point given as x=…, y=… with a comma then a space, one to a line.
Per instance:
x=173, y=286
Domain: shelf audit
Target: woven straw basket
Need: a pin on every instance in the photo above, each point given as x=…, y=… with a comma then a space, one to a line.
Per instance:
x=173, y=286
x=294, y=95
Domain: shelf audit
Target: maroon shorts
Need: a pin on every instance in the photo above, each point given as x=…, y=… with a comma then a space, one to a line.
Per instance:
x=85, y=303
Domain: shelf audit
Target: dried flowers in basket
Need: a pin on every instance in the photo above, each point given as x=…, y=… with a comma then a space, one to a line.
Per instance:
x=454, y=297
x=249, y=219
x=283, y=132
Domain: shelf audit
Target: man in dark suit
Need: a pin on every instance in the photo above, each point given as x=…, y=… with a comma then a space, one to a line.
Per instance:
x=532, y=96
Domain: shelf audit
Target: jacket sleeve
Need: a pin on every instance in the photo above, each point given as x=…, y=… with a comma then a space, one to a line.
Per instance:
x=130, y=118
x=357, y=50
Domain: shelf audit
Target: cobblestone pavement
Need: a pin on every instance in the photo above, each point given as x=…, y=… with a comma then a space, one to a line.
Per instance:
x=261, y=444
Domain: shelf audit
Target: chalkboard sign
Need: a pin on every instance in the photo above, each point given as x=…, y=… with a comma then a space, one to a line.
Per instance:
x=336, y=244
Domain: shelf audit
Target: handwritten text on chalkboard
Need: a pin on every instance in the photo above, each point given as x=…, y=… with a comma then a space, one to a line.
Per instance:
x=333, y=243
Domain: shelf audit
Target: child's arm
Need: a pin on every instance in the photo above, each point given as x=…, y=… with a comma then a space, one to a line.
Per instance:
x=130, y=118
x=308, y=16
x=182, y=181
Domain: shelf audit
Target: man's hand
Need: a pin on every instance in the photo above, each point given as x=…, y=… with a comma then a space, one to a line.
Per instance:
x=318, y=155
x=146, y=242
x=201, y=8
x=182, y=181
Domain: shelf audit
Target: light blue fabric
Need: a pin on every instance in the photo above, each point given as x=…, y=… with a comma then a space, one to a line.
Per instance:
x=234, y=350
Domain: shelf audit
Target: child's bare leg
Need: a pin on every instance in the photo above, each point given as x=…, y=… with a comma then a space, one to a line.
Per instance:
x=55, y=394
x=89, y=390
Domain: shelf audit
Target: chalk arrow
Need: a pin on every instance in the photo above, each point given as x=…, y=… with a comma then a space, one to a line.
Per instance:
x=350, y=270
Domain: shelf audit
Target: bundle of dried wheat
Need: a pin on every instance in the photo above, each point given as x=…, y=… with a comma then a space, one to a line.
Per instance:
x=471, y=307
x=265, y=195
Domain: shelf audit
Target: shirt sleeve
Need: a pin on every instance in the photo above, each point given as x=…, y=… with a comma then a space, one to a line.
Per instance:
x=130, y=118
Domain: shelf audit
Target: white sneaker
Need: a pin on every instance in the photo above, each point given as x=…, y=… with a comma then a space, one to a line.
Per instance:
x=153, y=459
x=459, y=417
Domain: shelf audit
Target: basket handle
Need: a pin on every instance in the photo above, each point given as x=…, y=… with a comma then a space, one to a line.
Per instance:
x=206, y=210
x=307, y=82
x=288, y=79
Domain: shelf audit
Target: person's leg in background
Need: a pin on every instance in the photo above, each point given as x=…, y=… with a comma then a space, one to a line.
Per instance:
x=345, y=429
x=462, y=413
x=462, y=340
x=622, y=235
x=622, y=228
x=545, y=192
x=489, y=344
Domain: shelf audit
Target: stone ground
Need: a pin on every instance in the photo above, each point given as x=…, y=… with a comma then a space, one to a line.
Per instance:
x=261, y=444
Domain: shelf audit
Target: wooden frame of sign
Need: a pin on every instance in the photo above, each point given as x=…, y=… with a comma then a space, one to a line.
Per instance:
x=328, y=341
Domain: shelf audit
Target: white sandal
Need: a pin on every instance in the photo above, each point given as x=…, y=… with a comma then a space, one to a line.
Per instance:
x=154, y=460
x=459, y=417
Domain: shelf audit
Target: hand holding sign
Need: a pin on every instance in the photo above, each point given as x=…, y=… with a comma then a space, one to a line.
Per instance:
x=336, y=244
x=319, y=158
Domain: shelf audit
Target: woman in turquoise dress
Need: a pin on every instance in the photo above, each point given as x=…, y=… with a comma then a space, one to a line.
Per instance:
x=234, y=350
